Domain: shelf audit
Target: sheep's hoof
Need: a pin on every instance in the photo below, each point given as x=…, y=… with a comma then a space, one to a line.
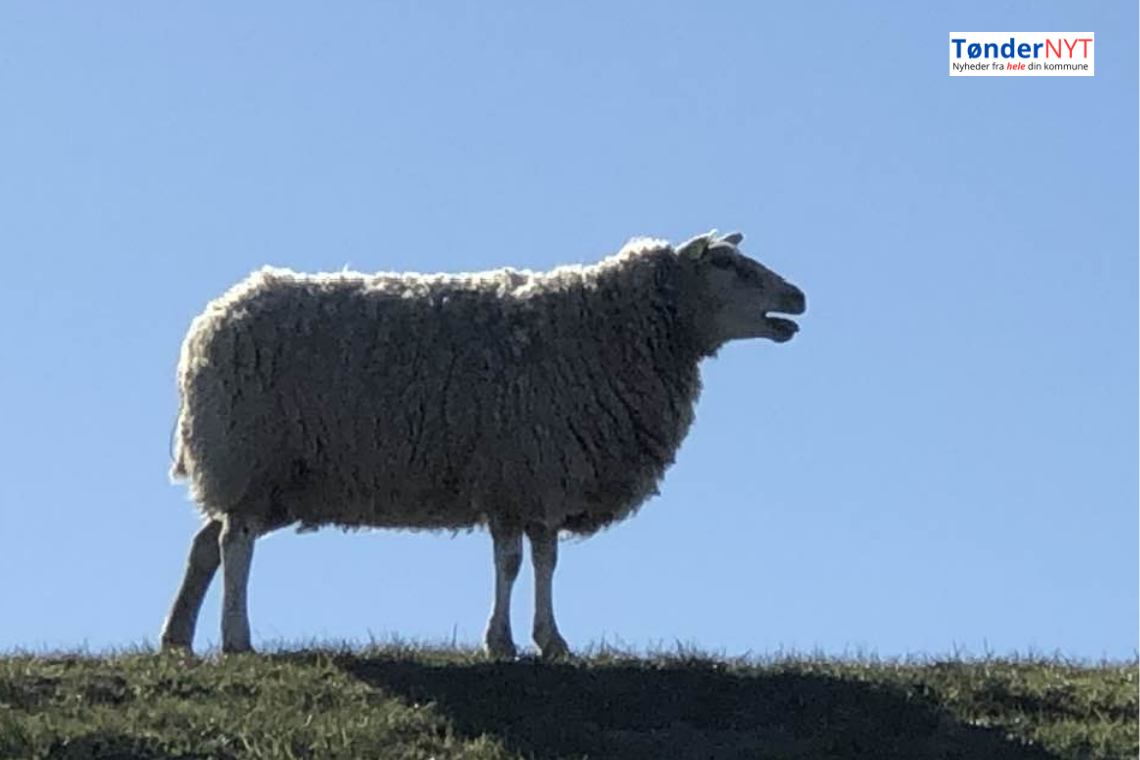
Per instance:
x=500, y=649
x=237, y=648
x=175, y=646
x=176, y=634
x=554, y=648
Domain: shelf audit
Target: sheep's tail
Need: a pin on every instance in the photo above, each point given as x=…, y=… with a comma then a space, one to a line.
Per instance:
x=177, y=450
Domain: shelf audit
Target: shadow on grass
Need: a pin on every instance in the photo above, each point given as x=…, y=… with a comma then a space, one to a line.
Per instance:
x=109, y=745
x=683, y=710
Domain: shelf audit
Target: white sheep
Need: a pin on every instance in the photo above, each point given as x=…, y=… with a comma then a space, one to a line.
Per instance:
x=527, y=402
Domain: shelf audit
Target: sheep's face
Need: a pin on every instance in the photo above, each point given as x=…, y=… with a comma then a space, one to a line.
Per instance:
x=739, y=295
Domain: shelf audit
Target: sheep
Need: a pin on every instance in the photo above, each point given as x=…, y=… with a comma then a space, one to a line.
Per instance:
x=526, y=403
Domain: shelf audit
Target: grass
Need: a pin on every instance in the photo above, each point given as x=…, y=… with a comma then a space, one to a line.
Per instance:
x=418, y=702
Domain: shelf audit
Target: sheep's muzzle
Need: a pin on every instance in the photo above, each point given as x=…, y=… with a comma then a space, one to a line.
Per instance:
x=791, y=301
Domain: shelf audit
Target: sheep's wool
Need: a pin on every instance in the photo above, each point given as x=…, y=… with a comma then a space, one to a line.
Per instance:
x=433, y=401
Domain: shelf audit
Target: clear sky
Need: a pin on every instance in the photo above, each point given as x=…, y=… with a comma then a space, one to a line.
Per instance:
x=946, y=456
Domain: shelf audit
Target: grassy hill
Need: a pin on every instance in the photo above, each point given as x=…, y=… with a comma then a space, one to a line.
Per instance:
x=401, y=702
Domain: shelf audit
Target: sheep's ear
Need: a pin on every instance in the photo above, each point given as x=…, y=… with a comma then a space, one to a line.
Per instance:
x=733, y=238
x=696, y=247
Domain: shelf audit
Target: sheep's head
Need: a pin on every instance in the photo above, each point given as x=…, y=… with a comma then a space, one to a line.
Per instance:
x=738, y=295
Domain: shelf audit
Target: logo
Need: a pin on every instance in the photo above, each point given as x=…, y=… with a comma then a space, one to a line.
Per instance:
x=1025, y=54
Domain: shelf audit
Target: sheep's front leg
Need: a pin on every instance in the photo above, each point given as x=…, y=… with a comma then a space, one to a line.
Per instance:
x=544, y=557
x=508, y=557
x=205, y=556
x=236, y=544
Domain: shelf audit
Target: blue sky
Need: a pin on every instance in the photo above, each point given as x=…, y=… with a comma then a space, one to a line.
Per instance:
x=946, y=456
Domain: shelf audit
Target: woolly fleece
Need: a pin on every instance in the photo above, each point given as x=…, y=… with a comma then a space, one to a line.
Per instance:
x=436, y=401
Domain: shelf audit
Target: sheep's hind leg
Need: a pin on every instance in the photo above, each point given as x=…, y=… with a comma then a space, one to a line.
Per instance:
x=544, y=557
x=205, y=556
x=236, y=544
x=508, y=557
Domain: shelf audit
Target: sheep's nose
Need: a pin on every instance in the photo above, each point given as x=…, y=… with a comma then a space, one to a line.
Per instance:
x=794, y=301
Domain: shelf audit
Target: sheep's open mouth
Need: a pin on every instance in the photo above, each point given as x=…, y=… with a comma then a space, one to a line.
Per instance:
x=782, y=329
